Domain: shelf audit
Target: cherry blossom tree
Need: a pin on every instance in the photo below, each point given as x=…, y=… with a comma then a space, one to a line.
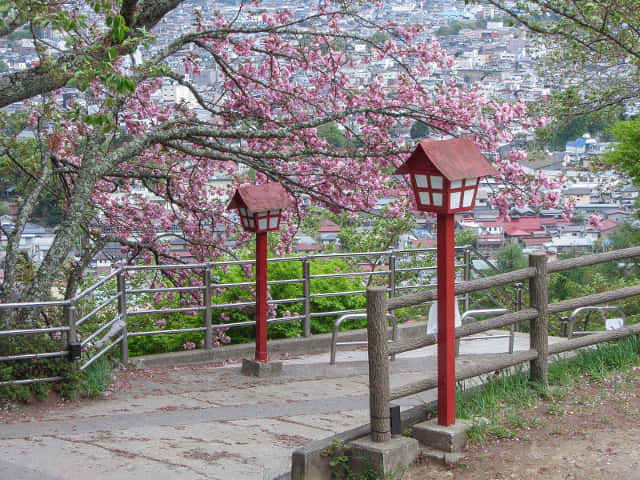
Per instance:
x=131, y=168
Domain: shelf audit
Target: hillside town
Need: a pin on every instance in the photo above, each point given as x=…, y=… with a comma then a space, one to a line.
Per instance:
x=486, y=50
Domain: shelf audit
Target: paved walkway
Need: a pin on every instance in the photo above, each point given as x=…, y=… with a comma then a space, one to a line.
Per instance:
x=206, y=421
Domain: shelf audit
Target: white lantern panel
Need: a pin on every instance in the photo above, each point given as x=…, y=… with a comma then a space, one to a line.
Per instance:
x=437, y=199
x=243, y=212
x=471, y=182
x=274, y=212
x=424, y=198
x=261, y=214
x=421, y=181
x=456, y=184
x=262, y=224
x=455, y=200
x=273, y=222
x=436, y=182
x=252, y=224
x=245, y=223
x=468, y=198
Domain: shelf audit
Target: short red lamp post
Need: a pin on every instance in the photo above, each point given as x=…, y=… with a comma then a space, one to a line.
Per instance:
x=445, y=176
x=260, y=209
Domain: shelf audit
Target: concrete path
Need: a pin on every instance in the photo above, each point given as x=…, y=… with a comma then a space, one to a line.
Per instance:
x=206, y=421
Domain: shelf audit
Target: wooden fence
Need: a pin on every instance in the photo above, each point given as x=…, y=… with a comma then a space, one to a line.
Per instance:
x=537, y=314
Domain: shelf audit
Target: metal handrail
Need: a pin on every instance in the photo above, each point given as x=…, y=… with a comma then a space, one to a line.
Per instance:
x=98, y=298
x=353, y=316
x=487, y=311
x=574, y=314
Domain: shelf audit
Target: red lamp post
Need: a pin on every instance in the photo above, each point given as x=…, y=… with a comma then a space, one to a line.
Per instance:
x=445, y=176
x=260, y=208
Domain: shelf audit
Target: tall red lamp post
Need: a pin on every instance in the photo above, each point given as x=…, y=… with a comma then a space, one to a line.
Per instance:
x=445, y=176
x=260, y=209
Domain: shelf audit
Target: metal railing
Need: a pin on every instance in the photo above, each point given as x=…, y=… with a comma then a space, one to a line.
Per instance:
x=120, y=307
x=334, y=336
x=610, y=323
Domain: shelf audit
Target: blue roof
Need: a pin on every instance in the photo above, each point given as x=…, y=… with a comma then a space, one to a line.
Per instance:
x=580, y=142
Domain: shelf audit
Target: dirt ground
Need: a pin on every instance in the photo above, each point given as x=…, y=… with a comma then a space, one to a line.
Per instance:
x=590, y=431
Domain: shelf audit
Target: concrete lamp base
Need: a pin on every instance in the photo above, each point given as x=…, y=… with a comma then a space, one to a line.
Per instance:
x=255, y=368
x=391, y=456
x=446, y=439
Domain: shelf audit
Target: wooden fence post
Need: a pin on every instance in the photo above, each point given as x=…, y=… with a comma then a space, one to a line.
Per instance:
x=378, y=364
x=539, y=332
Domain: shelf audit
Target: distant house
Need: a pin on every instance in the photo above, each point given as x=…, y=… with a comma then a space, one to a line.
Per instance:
x=626, y=195
x=328, y=231
x=566, y=244
x=607, y=227
x=582, y=145
x=578, y=195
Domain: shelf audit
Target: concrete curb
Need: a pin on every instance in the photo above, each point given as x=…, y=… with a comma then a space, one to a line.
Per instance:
x=292, y=346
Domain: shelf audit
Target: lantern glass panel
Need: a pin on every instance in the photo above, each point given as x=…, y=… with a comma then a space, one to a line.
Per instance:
x=424, y=198
x=471, y=182
x=245, y=223
x=437, y=199
x=436, y=183
x=261, y=214
x=274, y=212
x=252, y=224
x=421, y=181
x=273, y=222
x=456, y=184
x=262, y=223
x=455, y=200
x=468, y=197
x=243, y=212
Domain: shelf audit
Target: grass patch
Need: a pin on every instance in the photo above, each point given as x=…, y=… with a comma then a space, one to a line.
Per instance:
x=503, y=396
x=97, y=378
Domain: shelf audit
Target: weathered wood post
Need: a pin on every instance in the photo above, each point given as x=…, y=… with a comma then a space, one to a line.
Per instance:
x=378, y=364
x=539, y=332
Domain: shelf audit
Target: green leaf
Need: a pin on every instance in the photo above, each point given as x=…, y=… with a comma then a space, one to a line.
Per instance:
x=111, y=53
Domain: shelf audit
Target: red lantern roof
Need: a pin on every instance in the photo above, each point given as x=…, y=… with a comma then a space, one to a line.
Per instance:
x=260, y=198
x=454, y=159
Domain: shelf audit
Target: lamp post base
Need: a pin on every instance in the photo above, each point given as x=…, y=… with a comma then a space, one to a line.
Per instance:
x=254, y=368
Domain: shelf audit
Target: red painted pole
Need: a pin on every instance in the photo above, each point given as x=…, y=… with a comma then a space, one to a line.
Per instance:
x=446, y=320
x=261, y=297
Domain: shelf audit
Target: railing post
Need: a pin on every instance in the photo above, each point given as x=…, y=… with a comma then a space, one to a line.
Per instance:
x=379, y=392
x=467, y=276
x=519, y=288
x=306, y=287
x=206, y=298
x=75, y=347
x=122, y=310
x=539, y=332
x=392, y=274
x=70, y=321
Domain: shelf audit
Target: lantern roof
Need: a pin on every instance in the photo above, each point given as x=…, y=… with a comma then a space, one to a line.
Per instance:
x=260, y=198
x=455, y=159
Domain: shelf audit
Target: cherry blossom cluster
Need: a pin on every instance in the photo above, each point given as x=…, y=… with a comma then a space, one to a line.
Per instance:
x=282, y=81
